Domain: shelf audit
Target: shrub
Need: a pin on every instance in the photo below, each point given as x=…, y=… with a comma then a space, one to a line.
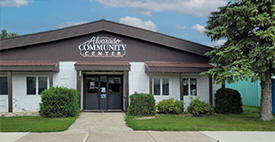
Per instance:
x=198, y=108
x=171, y=106
x=228, y=101
x=141, y=105
x=59, y=102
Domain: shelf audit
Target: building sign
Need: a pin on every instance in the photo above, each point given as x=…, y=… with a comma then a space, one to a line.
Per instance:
x=102, y=47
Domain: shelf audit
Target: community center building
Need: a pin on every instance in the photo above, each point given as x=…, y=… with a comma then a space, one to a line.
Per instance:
x=106, y=62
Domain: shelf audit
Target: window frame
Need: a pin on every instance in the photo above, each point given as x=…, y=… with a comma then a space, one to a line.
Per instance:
x=189, y=86
x=160, y=86
x=7, y=84
x=36, y=85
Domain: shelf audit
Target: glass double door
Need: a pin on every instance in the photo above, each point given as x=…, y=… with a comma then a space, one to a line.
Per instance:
x=103, y=92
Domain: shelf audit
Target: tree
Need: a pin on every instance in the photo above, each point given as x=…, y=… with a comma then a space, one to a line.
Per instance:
x=249, y=51
x=5, y=34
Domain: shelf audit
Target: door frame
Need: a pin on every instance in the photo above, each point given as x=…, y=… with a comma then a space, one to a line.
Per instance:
x=124, y=90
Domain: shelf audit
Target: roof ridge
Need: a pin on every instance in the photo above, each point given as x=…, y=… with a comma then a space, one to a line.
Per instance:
x=58, y=29
x=156, y=33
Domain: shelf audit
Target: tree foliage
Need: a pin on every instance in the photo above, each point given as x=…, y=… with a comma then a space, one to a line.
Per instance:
x=5, y=34
x=249, y=51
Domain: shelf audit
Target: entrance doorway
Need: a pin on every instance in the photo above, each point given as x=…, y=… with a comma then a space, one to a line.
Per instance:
x=103, y=92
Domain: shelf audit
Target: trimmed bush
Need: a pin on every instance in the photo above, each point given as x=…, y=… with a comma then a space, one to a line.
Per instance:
x=228, y=101
x=59, y=102
x=142, y=105
x=197, y=108
x=170, y=106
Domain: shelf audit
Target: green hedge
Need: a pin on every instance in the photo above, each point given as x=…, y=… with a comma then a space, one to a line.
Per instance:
x=142, y=105
x=228, y=101
x=59, y=102
x=170, y=106
x=197, y=108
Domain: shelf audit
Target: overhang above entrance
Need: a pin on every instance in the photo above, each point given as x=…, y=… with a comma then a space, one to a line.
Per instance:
x=175, y=67
x=102, y=66
x=42, y=66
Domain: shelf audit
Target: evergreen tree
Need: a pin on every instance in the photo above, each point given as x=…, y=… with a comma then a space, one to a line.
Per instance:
x=249, y=52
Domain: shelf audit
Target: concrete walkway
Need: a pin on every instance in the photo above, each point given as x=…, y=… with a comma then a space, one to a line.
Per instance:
x=54, y=137
x=240, y=136
x=11, y=137
x=111, y=127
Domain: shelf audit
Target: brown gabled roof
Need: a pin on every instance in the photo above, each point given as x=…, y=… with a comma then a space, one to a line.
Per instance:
x=104, y=25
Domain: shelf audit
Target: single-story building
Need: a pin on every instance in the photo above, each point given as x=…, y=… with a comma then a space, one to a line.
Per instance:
x=106, y=62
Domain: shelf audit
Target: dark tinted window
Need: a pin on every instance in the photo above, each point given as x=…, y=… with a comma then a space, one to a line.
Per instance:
x=114, y=84
x=3, y=85
x=31, y=85
x=156, y=86
x=165, y=86
x=193, y=87
x=185, y=87
x=42, y=84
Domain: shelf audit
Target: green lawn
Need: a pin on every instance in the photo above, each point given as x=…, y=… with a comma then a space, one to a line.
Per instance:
x=34, y=124
x=247, y=121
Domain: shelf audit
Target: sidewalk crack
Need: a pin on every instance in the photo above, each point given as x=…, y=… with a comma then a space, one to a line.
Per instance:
x=148, y=132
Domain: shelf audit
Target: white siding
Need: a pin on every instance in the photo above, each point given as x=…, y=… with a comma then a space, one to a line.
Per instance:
x=4, y=103
x=174, y=86
x=139, y=82
x=21, y=101
x=138, y=79
x=202, y=89
x=66, y=77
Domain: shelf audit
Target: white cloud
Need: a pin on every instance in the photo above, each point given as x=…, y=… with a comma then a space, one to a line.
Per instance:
x=194, y=7
x=180, y=27
x=198, y=28
x=70, y=23
x=14, y=3
x=136, y=22
x=217, y=43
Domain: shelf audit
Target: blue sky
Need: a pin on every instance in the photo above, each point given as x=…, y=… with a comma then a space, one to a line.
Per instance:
x=180, y=18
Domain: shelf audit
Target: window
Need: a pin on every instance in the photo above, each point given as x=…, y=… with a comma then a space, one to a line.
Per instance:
x=36, y=84
x=185, y=87
x=31, y=85
x=189, y=87
x=193, y=87
x=156, y=86
x=161, y=86
x=42, y=84
x=165, y=86
x=3, y=85
x=114, y=85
